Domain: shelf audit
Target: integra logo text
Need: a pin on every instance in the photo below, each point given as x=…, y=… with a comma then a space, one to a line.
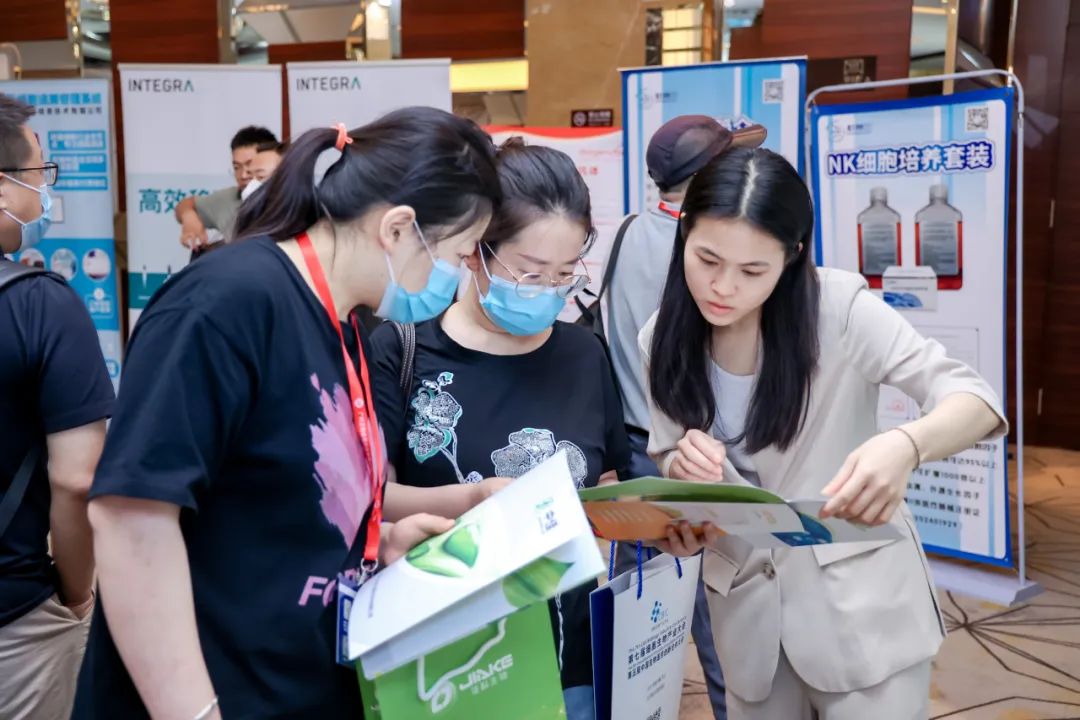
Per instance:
x=161, y=85
x=328, y=82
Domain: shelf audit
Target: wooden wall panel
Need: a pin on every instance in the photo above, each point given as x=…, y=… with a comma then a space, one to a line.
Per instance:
x=1058, y=358
x=305, y=52
x=300, y=52
x=158, y=31
x=747, y=42
x=838, y=28
x=479, y=29
x=1039, y=58
x=32, y=20
x=575, y=51
x=164, y=31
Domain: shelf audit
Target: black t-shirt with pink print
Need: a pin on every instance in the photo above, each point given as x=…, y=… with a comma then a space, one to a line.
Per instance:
x=234, y=406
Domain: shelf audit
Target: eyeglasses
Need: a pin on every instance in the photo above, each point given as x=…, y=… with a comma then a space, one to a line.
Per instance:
x=50, y=169
x=530, y=285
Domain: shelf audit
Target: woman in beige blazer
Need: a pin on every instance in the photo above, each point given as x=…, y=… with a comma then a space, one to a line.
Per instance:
x=764, y=369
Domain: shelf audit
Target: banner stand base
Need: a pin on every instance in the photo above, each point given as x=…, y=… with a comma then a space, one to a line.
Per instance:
x=1000, y=588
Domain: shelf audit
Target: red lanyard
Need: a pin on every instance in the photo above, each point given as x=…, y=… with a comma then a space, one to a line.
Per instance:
x=367, y=425
x=665, y=208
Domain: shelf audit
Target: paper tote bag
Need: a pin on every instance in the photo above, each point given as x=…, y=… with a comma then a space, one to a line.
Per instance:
x=507, y=669
x=640, y=640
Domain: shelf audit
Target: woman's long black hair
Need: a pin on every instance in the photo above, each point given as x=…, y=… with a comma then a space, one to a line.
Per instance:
x=762, y=188
x=441, y=165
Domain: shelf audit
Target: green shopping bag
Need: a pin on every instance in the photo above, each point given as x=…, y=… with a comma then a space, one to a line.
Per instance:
x=505, y=670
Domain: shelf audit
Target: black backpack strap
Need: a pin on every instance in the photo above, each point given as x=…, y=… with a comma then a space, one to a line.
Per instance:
x=592, y=317
x=407, y=337
x=11, y=272
x=15, y=492
x=613, y=258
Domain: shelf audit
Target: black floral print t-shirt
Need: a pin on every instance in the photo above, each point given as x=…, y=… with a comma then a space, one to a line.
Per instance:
x=471, y=415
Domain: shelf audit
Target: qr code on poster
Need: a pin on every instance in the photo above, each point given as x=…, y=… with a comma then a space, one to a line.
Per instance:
x=978, y=119
x=548, y=522
x=772, y=91
x=545, y=515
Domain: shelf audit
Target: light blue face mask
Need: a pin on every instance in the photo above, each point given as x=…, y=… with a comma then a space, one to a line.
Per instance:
x=515, y=314
x=400, y=305
x=34, y=230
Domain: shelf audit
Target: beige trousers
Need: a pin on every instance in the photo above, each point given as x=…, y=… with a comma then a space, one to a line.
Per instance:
x=40, y=656
x=903, y=696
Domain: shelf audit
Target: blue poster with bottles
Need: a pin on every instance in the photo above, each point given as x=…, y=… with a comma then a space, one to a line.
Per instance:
x=770, y=93
x=914, y=195
x=71, y=121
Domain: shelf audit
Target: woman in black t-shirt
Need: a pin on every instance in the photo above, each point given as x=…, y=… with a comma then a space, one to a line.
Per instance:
x=499, y=385
x=243, y=468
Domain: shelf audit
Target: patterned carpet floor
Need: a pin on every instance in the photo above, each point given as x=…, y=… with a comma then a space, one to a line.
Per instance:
x=1020, y=663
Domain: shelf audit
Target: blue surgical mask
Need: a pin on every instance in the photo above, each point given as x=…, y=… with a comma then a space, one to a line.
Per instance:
x=515, y=314
x=400, y=305
x=34, y=230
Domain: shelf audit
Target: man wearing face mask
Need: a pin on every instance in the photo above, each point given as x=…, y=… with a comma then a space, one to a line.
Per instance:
x=262, y=166
x=267, y=158
x=208, y=220
x=55, y=395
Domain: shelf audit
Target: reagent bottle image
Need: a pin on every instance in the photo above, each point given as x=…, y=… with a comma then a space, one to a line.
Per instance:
x=939, y=239
x=879, y=237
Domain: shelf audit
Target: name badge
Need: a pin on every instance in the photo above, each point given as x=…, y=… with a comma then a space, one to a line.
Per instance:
x=346, y=594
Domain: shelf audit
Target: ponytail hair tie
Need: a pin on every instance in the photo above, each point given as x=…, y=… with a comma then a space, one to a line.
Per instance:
x=343, y=138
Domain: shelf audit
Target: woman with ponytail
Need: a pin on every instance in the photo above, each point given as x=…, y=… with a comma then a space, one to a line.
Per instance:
x=765, y=370
x=244, y=468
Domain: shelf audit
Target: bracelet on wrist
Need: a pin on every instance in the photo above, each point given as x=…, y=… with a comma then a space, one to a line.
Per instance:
x=208, y=710
x=914, y=446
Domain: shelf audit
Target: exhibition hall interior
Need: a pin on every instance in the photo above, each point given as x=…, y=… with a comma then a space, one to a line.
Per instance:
x=744, y=380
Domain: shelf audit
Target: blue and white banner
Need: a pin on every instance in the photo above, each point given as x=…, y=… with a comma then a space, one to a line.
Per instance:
x=770, y=93
x=72, y=124
x=178, y=122
x=914, y=194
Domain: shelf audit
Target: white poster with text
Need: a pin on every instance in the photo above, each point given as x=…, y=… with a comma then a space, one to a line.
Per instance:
x=178, y=122
x=355, y=93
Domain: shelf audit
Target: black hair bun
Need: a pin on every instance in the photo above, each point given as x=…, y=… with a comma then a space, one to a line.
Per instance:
x=512, y=143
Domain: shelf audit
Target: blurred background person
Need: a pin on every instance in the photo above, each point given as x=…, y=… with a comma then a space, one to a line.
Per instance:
x=198, y=216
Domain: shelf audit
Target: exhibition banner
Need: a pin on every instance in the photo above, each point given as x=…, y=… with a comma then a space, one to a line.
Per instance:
x=914, y=194
x=598, y=154
x=178, y=122
x=355, y=93
x=770, y=93
x=72, y=124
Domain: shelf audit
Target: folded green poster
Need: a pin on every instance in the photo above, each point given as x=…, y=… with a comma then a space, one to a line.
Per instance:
x=645, y=508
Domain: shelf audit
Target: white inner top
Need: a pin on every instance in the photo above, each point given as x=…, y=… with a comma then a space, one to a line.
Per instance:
x=733, y=393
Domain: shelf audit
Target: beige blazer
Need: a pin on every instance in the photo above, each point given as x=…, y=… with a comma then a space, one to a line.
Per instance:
x=848, y=615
